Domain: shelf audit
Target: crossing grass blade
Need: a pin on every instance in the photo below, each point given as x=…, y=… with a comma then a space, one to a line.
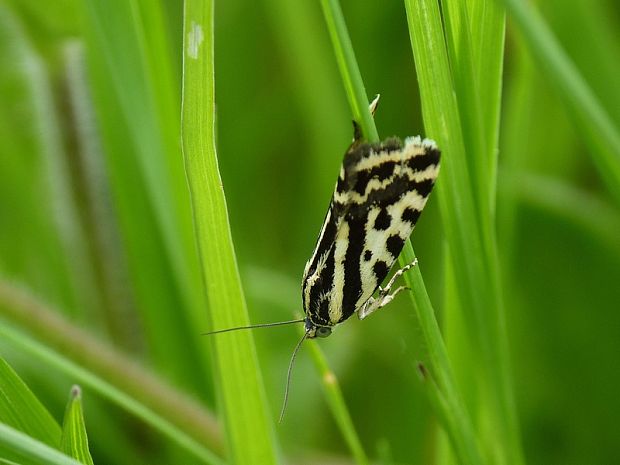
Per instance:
x=241, y=396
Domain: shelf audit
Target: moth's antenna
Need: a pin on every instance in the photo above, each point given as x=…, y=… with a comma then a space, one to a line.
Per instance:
x=288, y=375
x=263, y=325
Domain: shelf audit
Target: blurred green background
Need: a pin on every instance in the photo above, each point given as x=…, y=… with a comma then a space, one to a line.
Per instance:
x=95, y=219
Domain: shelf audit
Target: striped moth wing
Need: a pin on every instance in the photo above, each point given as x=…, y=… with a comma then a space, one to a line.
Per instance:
x=380, y=193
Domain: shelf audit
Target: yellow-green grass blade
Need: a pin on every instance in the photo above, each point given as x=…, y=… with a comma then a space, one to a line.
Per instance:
x=241, y=397
x=471, y=241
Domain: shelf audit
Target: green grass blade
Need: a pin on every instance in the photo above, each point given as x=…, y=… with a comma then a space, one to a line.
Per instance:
x=471, y=243
x=598, y=130
x=20, y=409
x=74, y=440
x=337, y=405
x=242, y=400
x=17, y=446
x=349, y=70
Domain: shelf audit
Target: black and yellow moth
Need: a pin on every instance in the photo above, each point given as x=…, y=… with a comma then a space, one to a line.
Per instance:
x=381, y=190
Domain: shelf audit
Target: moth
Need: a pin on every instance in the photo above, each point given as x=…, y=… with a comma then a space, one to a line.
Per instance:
x=381, y=190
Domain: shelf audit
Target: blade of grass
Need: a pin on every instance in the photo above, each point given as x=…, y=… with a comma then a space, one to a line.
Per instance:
x=242, y=399
x=464, y=441
x=461, y=55
x=488, y=30
x=337, y=404
x=598, y=130
x=17, y=446
x=472, y=246
x=349, y=71
x=74, y=441
x=93, y=190
x=260, y=287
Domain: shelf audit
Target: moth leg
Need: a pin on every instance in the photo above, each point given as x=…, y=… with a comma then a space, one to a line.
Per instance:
x=385, y=296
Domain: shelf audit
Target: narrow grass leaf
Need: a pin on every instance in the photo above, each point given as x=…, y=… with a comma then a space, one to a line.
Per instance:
x=337, y=404
x=349, y=70
x=20, y=409
x=242, y=400
x=74, y=440
x=472, y=243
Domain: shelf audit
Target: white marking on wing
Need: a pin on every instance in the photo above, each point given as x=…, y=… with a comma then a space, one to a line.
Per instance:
x=342, y=242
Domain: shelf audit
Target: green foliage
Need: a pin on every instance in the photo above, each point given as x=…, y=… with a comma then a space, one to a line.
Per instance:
x=110, y=271
x=241, y=394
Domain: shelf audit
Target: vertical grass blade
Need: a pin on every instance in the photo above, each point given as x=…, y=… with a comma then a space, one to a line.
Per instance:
x=336, y=402
x=74, y=440
x=471, y=241
x=349, y=70
x=241, y=396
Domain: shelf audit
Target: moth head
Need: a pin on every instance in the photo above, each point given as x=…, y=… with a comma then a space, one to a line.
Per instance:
x=314, y=331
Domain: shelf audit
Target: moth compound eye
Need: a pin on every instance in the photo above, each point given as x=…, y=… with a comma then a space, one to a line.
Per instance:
x=323, y=331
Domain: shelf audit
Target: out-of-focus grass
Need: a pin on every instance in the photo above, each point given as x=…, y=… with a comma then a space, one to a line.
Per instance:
x=95, y=216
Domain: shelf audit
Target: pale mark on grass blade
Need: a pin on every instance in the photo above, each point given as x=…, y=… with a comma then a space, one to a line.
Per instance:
x=195, y=38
